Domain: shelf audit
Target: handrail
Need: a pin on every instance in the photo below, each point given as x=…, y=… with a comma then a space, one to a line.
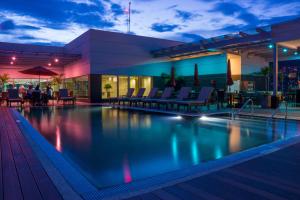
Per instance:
x=244, y=105
x=277, y=109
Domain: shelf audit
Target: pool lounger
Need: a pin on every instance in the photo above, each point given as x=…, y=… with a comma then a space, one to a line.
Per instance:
x=151, y=95
x=167, y=93
x=202, y=100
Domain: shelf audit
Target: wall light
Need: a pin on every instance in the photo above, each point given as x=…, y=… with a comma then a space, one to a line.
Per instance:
x=270, y=46
x=56, y=60
x=296, y=53
x=11, y=62
x=13, y=58
x=285, y=50
x=49, y=64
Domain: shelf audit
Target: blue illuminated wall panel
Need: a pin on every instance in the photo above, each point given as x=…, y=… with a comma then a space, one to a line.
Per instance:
x=208, y=65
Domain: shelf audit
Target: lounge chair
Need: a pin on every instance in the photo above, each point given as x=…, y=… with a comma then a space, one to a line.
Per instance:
x=183, y=94
x=202, y=99
x=151, y=95
x=124, y=98
x=139, y=95
x=167, y=93
x=65, y=97
x=13, y=97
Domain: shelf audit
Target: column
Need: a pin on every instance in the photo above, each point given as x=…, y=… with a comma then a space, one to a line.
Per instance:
x=275, y=69
x=95, y=90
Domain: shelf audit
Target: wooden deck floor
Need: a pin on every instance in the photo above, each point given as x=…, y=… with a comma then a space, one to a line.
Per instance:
x=275, y=176
x=21, y=173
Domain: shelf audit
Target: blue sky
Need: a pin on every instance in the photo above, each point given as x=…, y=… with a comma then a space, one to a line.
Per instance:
x=57, y=22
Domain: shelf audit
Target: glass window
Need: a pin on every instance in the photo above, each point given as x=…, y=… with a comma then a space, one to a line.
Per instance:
x=134, y=83
x=109, y=86
x=123, y=85
x=146, y=82
x=78, y=86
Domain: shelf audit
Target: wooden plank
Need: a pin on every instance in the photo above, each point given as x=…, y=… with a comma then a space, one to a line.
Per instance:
x=164, y=195
x=198, y=192
x=11, y=187
x=44, y=183
x=27, y=181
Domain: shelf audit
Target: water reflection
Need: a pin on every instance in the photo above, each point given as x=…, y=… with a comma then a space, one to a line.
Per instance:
x=112, y=146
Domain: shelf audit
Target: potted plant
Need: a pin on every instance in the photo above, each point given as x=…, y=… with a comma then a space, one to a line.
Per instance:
x=3, y=79
x=107, y=88
x=57, y=80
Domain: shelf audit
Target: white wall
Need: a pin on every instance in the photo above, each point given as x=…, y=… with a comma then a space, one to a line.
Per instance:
x=111, y=50
x=80, y=45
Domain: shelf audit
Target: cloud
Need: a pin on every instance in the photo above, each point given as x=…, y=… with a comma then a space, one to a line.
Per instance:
x=163, y=27
x=60, y=21
x=184, y=15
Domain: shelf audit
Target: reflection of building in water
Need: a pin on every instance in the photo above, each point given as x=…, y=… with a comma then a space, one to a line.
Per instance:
x=194, y=151
x=126, y=170
x=58, y=139
x=174, y=147
x=234, y=137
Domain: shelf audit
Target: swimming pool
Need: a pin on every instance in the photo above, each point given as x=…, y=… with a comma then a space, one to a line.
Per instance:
x=112, y=147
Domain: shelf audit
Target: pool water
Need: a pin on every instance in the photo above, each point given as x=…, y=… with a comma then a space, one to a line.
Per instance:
x=111, y=146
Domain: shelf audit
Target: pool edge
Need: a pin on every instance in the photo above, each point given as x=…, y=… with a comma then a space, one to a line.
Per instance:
x=85, y=189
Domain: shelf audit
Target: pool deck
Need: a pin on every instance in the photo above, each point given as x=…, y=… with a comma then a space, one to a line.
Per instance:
x=275, y=176
x=22, y=176
x=272, y=176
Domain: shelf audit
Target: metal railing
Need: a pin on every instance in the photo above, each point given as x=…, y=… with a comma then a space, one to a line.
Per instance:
x=243, y=107
x=278, y=109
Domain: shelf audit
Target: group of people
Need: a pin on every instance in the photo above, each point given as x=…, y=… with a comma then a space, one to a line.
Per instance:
x=36, y=96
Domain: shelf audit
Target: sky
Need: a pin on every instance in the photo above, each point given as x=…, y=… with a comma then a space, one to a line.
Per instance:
x=57, y=22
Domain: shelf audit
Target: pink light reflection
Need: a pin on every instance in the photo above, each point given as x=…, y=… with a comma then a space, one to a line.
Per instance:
x=58, y=139
x=126, y=170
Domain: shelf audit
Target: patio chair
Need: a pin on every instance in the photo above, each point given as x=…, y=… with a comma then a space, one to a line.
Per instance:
x=129, y=94
x=64, y=96
x=151, y=95
x=202, y=99
x=13, y=97
x=183, y=94
x=3, y=97
x=167, y=93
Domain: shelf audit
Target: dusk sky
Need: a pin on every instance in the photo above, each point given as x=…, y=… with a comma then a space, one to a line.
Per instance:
x=56, y=22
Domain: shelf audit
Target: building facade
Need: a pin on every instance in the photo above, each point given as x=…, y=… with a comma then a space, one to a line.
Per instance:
x=100, y=64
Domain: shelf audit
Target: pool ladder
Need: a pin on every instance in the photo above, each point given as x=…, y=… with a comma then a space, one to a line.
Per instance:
x=233, y=114
x=277, y=110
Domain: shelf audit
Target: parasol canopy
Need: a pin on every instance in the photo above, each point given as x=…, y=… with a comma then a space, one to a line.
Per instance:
x=39, y=71
x=196, y=76
x=173, y=82
x=229, y=80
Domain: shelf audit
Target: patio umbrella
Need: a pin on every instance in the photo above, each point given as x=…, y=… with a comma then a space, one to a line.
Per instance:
x=173, y=82
x=229, y=80
x=40, y=71
x=196, y=76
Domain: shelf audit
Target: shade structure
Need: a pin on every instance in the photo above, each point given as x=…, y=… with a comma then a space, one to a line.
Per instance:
x=196, y=76
x=173, y=82
x=39, y=71
x=229, y=80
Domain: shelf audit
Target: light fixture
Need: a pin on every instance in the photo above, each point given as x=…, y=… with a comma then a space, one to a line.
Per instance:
x=11, y=62
x=49, y=64
x=270, y=46
x=56, y=60
x=296, y=53
x=13, y=58
x=285, y=50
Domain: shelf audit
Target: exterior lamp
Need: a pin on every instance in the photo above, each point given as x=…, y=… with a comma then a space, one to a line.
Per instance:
x=285, y=50
x=296, y=53
x=11, y=62
x=49, y=64
x=270, y=46
x=56, y=60
x=13, y=58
